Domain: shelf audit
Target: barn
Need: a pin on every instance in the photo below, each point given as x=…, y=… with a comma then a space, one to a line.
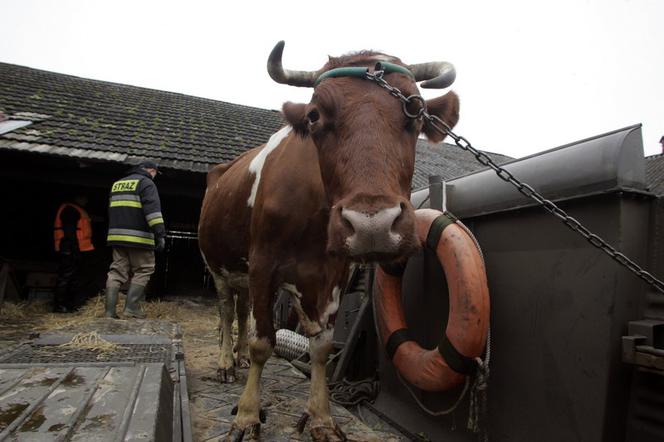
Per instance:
x=655, y=174
x=63, y=136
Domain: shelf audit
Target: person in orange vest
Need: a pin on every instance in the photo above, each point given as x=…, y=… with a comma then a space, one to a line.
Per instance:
x=72, y=234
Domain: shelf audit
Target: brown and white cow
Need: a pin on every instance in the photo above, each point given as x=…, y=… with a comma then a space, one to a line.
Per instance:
x=330, y=188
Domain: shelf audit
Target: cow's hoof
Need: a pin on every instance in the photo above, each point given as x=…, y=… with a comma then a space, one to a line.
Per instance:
x=321, y=433
x=302, y=422
x=226, y=375
x=262, y=414
x=243, y=362
x=236, y=434
x=328, y=434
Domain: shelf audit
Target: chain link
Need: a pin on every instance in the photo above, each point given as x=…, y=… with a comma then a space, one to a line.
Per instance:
x=507, y=176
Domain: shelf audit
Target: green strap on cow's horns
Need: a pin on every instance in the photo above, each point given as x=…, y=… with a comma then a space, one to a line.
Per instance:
x=360, y=72
x=437, y=227
x=390, y=68
x=342, y=72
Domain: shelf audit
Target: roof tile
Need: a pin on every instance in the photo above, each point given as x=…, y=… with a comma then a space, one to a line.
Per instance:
x=655, y=174
x=89, y=118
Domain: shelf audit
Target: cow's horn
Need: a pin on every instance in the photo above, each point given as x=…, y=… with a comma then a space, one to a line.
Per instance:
x=281, y=75
x=439, y=74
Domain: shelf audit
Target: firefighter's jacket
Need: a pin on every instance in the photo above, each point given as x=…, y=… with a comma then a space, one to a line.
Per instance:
x=134, y=213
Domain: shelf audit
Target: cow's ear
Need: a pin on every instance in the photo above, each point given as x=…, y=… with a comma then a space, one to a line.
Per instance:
x=296, y=117
x=447, y=109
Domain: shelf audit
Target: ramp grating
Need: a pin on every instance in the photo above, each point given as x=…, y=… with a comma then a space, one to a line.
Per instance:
x=54, y=354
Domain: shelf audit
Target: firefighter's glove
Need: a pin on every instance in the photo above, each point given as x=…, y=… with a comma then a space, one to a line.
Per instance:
x=161, y=244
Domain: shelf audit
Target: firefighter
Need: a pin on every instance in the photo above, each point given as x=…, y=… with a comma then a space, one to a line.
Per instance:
x=135, y=230
x=72, y=233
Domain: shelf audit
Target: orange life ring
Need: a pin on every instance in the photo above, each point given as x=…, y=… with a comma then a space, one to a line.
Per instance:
x=464, y=339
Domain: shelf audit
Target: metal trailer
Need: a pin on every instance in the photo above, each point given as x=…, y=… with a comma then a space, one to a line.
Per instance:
x=137, y=392
x=577, y=341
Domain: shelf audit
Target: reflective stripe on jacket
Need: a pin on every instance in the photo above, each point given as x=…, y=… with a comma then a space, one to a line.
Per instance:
x=134, y=210
x=83, y=228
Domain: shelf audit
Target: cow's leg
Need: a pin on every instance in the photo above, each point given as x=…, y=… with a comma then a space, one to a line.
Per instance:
x=249, y=407
x=322, y=425
x=243, y=308
x=260, y=350
x=226, y=369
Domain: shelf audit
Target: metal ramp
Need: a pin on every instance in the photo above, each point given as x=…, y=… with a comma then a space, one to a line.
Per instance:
x=137, y=392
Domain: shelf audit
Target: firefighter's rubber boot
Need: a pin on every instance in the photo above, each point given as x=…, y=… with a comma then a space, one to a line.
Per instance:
x=132, y=307
x=111, y=301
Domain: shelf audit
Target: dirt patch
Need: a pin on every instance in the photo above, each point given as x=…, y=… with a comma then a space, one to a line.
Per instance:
x=35, y=421
x=11, y=412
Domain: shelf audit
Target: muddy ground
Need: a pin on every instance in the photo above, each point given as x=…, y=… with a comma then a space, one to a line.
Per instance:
x=285, y=389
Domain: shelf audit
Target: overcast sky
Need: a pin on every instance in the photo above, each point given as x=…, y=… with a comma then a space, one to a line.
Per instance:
x=531, y=75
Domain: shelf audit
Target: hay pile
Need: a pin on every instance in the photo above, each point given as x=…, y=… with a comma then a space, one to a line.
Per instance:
x=174, y=311
x=198, y=321
x=23, y=310
x=90, y=341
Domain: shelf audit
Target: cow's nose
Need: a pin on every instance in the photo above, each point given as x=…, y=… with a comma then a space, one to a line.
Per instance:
x=372, y=232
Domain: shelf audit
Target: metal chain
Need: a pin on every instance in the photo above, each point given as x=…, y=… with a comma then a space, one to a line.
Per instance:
x=505, y=175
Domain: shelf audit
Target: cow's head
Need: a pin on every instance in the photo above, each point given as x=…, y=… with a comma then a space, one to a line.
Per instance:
x=366, y=148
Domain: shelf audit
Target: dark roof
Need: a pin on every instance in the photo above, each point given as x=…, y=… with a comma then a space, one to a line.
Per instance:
x=84, y=118
x=447, y=160
x=655, y=174
x=97, y=119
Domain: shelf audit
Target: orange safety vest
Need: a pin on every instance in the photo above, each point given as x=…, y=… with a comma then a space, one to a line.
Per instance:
x=83, y=229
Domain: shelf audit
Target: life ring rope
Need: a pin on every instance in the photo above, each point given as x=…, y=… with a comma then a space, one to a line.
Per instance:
x=457, y=362
x=395, y=331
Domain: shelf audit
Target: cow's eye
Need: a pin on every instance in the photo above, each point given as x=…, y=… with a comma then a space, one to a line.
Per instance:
x=313, y=116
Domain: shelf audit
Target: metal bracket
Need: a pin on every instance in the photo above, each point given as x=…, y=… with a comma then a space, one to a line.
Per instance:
x=437, y=192
x=644, y=346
